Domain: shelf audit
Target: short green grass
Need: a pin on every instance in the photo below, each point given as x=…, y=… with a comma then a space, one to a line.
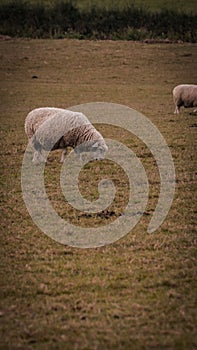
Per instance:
x=140, y=292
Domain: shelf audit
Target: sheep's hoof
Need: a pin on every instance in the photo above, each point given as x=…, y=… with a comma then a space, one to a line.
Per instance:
x=36, y=162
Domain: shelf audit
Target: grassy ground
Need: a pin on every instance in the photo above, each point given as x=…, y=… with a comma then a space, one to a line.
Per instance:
x=140, y=292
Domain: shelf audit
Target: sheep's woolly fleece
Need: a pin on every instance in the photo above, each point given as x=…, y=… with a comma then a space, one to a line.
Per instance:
x=185, y=95
x=56, y=128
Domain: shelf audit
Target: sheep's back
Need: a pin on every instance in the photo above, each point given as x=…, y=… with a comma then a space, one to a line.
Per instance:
x=38, y=116
x=48, y=124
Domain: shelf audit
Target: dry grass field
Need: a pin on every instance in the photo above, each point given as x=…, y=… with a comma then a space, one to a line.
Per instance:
x=140, y=292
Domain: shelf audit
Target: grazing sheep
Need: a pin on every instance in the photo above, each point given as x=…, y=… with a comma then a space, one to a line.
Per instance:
x=185, y=95
x=56, y=128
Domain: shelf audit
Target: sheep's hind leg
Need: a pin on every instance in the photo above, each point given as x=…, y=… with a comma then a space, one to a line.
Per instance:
x=177, y=110
x=37, y=158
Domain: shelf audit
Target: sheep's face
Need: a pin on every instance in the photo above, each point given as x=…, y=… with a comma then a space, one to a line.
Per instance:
x=99, y=150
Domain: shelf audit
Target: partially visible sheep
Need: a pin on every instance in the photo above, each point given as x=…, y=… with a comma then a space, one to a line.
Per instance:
x=185, y=95
x=56, y=128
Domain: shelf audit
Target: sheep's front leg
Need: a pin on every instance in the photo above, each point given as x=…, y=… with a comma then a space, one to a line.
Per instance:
x=78, y=154
x=64, y=152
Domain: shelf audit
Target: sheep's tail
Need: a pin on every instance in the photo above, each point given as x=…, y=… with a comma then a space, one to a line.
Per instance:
x=29, y=129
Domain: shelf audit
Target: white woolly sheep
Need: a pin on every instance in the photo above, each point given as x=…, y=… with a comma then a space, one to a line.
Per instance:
x=56, y=128
x=185, y=95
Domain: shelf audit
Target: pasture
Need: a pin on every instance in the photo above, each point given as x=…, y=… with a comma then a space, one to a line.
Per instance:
x=140, y=292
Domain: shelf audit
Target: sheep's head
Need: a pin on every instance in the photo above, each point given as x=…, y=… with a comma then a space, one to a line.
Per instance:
x=99, y=148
